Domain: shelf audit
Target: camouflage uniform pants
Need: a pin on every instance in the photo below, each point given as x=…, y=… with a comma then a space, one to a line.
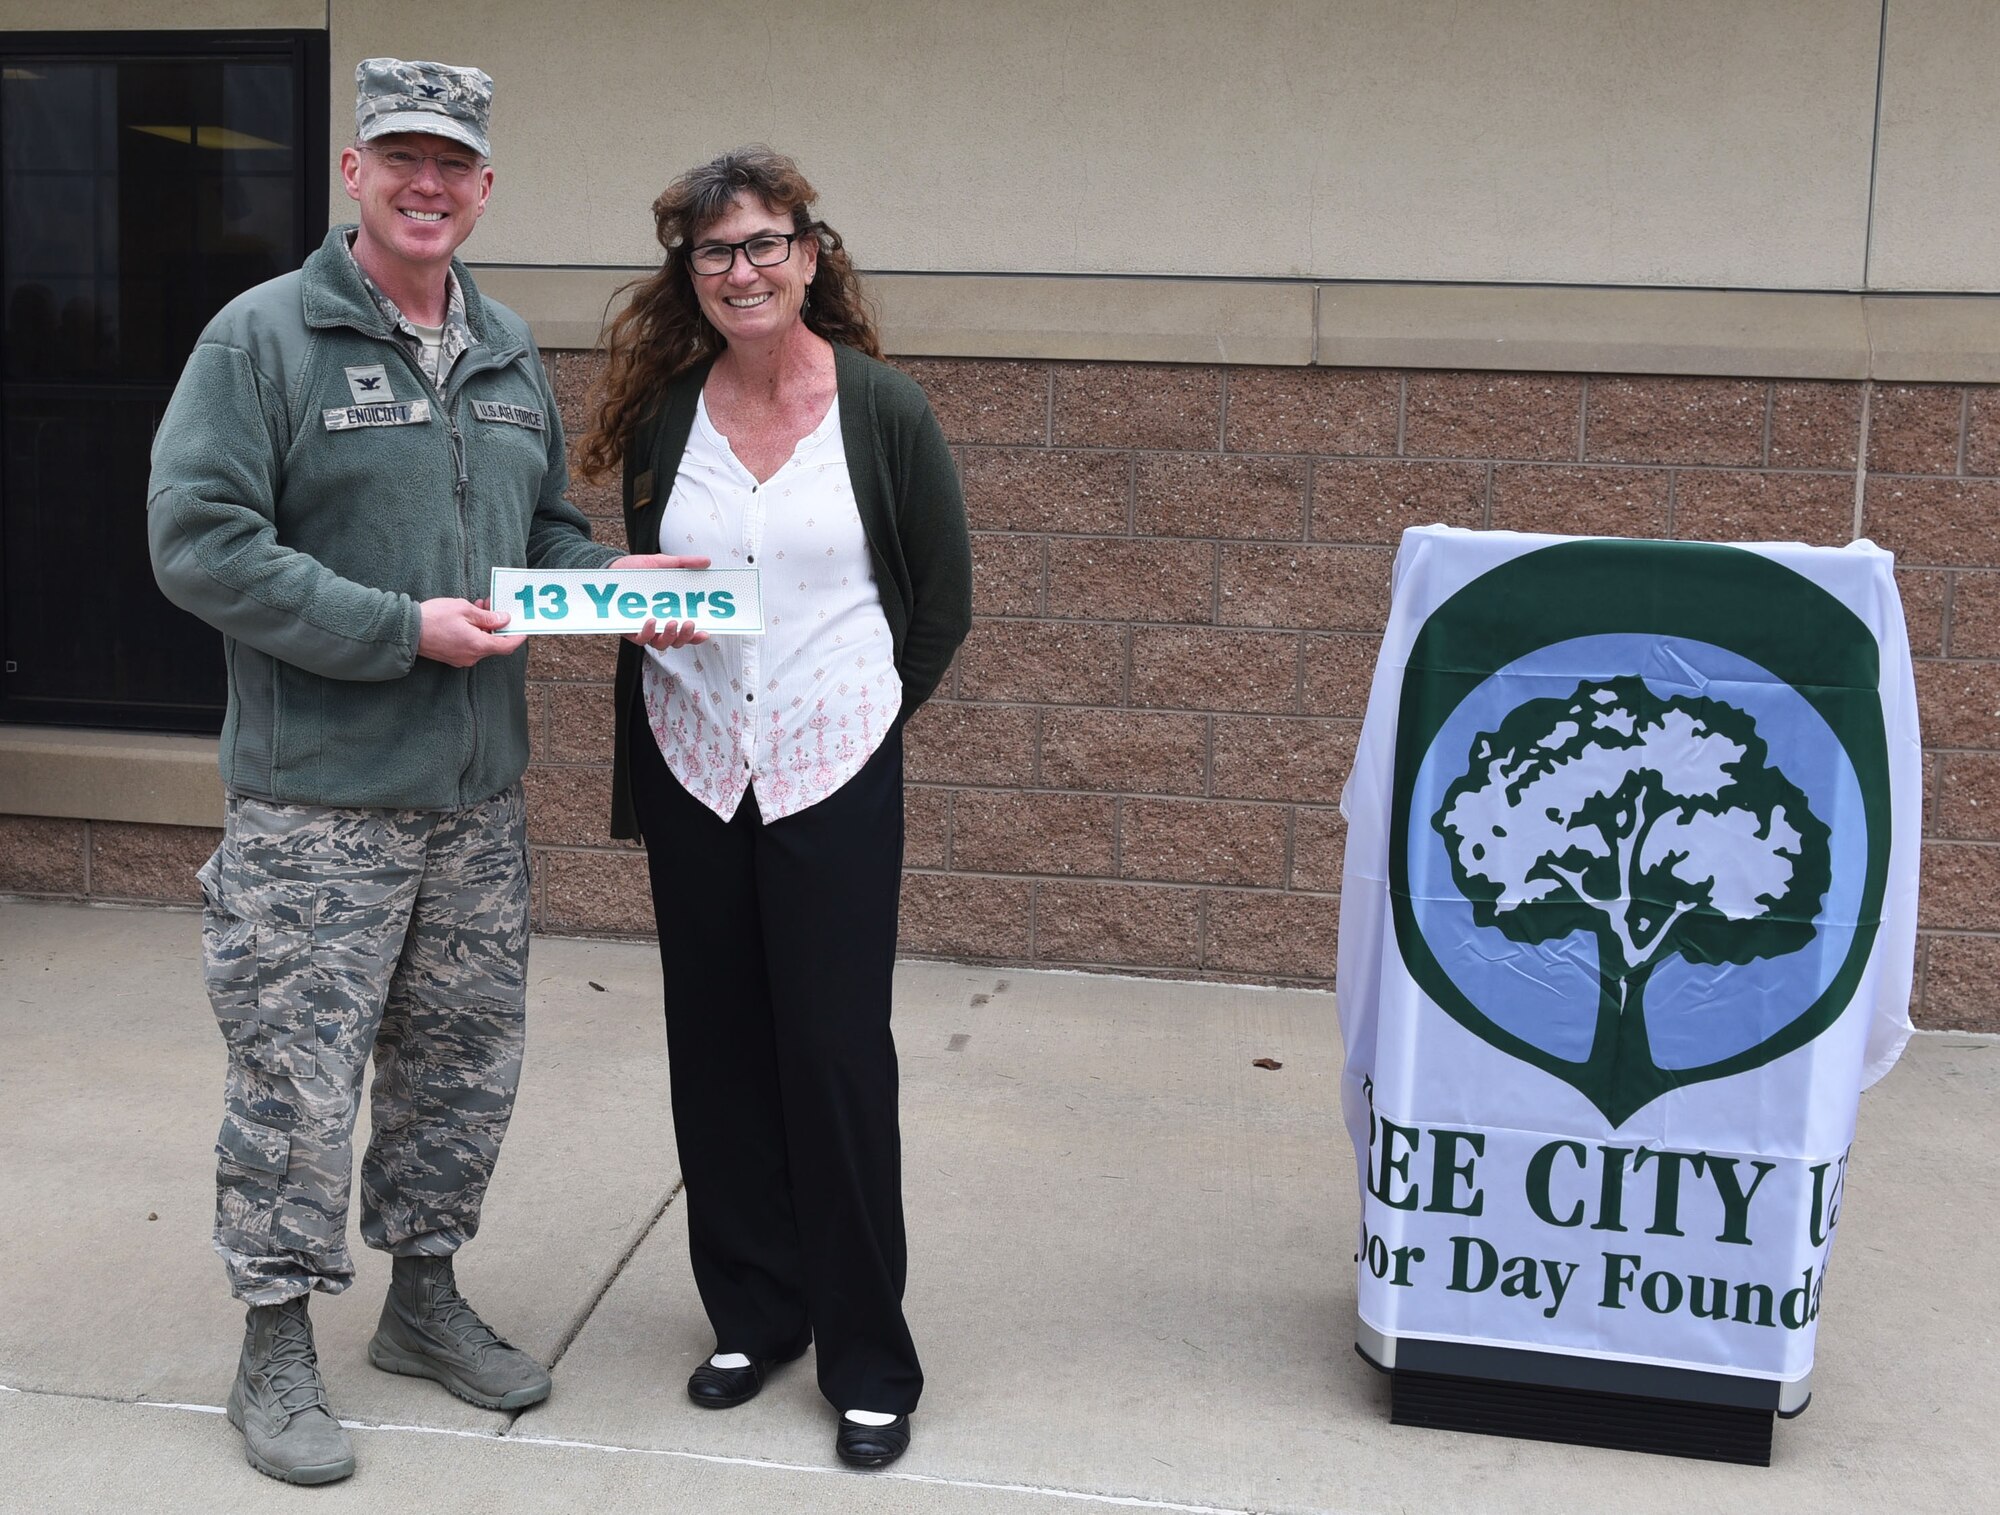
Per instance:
x=329, y=934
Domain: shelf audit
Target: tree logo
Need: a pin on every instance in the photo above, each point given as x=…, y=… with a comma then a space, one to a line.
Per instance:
x=1654, y=824
x=1641, y=830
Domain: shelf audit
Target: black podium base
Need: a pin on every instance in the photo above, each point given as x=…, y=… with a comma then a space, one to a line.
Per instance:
x=1582, y=1401
x=1581, y=1417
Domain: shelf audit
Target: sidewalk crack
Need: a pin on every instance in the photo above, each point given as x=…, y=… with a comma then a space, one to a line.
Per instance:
x=575, y=1328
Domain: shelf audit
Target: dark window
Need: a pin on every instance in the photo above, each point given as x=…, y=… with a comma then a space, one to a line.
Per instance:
x=145, y=180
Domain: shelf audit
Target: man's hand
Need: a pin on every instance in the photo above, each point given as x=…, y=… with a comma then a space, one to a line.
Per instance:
x=667, y=633
x=460, y=632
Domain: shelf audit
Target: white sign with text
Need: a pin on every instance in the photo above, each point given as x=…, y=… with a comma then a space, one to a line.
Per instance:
x=579, y=601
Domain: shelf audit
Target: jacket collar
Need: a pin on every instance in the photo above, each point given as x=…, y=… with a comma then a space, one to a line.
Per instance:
x=335, y=296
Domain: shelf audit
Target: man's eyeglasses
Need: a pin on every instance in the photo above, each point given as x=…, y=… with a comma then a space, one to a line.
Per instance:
x=764, y=251
x=401, y=161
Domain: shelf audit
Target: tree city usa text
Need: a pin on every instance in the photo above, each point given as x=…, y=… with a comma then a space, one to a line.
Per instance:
x=1605, y=1188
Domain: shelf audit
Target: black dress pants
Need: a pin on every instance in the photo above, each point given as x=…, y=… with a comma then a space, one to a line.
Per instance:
x=777, y=943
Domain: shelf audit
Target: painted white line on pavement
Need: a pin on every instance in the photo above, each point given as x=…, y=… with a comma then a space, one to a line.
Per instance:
x=1121, y=1501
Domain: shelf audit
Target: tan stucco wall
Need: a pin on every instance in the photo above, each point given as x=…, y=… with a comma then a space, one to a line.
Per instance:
x=151, y=15
x=1937, y=188
x=1706, y=143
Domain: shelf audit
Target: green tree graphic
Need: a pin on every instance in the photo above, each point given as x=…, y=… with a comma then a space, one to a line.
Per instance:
x=1655, y=824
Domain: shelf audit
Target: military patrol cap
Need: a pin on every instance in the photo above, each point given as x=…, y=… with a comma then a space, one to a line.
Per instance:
x=440, y=99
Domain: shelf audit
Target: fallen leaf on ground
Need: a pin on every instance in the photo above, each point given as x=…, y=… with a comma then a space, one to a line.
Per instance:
x=1267, y=1062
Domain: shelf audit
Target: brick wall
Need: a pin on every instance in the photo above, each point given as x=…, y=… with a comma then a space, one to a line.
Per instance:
x=1134, y=763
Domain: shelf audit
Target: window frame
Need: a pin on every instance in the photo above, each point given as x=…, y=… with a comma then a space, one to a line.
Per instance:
x=307, y=51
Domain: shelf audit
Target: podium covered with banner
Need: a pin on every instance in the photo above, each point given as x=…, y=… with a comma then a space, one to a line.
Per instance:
x=1627, y=924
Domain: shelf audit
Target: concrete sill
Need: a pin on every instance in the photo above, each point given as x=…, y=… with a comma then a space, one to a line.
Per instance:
x=109, y=776
x=1762, y=334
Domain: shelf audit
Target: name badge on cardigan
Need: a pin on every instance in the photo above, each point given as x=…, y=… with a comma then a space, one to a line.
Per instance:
x=511, y=415
x=390, y=413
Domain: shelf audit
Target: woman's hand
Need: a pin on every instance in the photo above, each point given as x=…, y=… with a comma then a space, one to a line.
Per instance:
x=655, y=560
x=661, y=635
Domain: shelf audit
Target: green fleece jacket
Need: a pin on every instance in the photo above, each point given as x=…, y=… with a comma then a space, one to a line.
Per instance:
x=912, y=511
x=310, y=487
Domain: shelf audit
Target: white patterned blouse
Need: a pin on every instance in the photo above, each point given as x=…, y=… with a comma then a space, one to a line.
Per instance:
x=794, y=713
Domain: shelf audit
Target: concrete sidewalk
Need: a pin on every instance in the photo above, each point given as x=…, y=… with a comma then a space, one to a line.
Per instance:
x=1130, y=1273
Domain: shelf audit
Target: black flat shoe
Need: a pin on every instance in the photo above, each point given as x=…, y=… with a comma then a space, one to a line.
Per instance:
x=716, y=1388
x=862, y=1446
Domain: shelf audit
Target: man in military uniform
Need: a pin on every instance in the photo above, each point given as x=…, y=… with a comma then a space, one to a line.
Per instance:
x=350, y=450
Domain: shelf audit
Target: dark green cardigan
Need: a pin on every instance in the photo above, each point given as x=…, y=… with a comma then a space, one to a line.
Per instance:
x=906, y=488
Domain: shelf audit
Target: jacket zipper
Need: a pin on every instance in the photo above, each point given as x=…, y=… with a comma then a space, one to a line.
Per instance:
x=460, y=489
x=455, y=447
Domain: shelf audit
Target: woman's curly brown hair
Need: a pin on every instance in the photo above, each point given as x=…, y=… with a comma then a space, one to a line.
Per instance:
x=661, y=332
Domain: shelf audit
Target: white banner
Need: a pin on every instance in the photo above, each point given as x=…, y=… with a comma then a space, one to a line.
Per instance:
x=1627, y=923
x=721, y=601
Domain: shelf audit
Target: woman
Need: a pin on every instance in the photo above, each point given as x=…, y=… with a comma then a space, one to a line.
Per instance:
x=757, y=425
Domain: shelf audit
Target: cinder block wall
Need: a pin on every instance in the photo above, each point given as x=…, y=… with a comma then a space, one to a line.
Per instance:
x=1180, y=571
x=1180, y=574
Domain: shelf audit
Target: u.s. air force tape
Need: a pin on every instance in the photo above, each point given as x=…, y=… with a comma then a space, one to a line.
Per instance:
x=513, y=415
x=388, y=413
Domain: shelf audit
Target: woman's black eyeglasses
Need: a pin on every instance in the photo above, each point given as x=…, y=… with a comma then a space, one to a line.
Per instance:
x=765, y=250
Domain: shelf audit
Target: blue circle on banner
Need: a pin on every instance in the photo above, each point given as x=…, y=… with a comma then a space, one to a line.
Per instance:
x=1568, y=887
x=1547, y=992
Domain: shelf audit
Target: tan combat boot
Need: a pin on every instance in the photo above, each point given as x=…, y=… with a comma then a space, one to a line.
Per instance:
x=427, y=1330
x=278, y=1401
